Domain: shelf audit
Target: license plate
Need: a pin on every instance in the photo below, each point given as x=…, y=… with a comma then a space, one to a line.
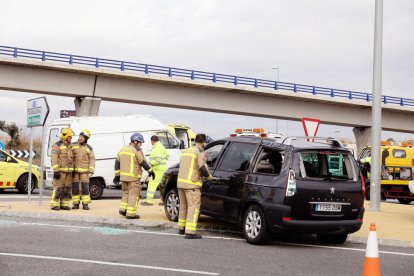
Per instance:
x=328, y=207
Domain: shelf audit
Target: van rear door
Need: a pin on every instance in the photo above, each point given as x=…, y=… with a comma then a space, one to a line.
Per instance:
x=328, y=185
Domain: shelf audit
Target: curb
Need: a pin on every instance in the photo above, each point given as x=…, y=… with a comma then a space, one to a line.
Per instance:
x=172, y=225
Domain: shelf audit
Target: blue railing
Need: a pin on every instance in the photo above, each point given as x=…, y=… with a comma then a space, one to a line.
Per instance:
x=197, y=75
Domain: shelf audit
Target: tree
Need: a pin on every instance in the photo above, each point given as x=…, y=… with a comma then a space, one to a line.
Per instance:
x=13, y=131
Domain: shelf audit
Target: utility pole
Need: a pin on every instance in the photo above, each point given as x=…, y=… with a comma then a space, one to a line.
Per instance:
x=375, y=193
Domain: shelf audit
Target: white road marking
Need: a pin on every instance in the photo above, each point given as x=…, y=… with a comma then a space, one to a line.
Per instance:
x=213, y=237
x=109, y=263
x=343, y=248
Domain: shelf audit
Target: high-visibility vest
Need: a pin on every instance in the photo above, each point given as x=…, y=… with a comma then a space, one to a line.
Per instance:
x=130, y=163
x=189, y=175
x=62, y=157
x=84, y=158
x=158, y=156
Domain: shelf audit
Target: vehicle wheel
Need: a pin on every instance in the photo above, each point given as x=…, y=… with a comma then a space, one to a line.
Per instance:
x=22, y=183
x=96, y=188
x=404, y=200
x=172, y=205
x=335, y=239
x=254, y=225
x=1, y=190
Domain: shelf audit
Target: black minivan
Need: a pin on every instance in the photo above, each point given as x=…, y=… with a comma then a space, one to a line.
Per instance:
x=265, y=185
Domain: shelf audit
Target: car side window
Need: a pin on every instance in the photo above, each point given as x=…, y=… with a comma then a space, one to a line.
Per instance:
x=270, y=161
x=53, y=138
x=212, y=154
x=167, y=140
x=238, y=156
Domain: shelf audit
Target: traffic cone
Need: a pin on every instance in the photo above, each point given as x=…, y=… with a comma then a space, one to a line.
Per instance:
x=371, y=263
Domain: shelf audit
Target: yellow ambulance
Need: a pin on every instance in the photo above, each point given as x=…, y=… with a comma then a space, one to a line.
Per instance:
x=14, y=174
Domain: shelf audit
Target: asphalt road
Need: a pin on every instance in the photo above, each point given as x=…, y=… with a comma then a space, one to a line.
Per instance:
x=30, y=247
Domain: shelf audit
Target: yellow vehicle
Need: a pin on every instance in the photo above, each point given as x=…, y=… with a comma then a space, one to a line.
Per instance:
x=184, y=133
x=396, y=171
x=14, y=174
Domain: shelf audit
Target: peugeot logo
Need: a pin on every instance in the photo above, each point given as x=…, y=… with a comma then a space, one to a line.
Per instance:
x=332, y=189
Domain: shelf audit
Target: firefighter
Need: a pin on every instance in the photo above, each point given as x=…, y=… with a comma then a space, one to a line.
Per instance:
x=84, y=159
x=62, y=165
x=189, y=182
x=128, y=170
x=158, y=161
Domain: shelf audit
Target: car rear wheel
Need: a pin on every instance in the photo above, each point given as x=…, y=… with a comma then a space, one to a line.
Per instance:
x=254, y=225
x=172, y=205
x=404, y=201
x=22, y=184
x=96, y=188
x=334, y=239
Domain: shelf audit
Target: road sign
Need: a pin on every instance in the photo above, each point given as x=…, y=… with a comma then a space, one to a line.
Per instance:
x=310, y=126
x=37, y=112
x=2, y=147
x=22, y=153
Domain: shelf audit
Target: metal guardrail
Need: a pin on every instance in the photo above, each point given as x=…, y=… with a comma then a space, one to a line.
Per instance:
x=197, y=75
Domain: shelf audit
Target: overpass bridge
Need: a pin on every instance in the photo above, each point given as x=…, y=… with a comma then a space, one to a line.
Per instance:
x=90, y=80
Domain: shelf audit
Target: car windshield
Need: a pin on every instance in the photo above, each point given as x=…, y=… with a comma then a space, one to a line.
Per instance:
x=329, y=165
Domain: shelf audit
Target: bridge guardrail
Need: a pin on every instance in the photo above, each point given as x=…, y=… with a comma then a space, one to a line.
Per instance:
x=197, y=75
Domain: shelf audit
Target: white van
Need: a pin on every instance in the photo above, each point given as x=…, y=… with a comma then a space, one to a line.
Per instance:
x=108, y=136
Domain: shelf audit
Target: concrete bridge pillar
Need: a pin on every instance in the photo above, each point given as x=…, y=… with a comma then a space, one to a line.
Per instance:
x=362, y=138
x=87, y=106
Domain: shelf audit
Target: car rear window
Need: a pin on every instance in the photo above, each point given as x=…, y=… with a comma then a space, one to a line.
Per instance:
x=332, y=165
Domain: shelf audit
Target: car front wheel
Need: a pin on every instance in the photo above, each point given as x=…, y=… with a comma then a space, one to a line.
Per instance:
x=22, y=184
x=254, y=225
x=172, y=205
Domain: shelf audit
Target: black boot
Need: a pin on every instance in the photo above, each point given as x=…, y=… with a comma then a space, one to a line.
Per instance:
x=192, y=236
x=85, y=207
x=122, y=213
x=181, y=231
x=136, y=217
x=65, y=208
x=75, y=206
x=56, y=208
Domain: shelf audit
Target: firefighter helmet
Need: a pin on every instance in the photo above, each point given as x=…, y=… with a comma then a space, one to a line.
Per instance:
x=86, y=133
x=66, y=133
x=137, y=137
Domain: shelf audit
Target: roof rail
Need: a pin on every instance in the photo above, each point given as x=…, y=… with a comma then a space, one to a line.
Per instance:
x=333, y=141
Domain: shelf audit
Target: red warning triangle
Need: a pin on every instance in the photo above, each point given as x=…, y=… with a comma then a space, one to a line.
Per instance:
x=310, y=126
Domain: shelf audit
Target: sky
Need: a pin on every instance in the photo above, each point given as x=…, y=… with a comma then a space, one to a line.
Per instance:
x=321, y=42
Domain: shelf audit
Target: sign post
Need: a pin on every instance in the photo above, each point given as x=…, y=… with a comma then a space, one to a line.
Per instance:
x=310, y=126
x=37, y=112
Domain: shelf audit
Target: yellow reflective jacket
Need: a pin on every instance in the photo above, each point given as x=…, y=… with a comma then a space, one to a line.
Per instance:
x=158, y=156
x=84, y=158
x=62, y=157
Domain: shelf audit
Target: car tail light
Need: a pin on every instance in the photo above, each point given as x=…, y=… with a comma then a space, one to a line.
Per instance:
x=263, y=135
x=362, y=185
x=233, y=135
x=286, y=218
x=291, y=184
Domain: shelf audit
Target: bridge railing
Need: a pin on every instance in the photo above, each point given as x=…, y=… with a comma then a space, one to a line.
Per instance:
x=197, y=75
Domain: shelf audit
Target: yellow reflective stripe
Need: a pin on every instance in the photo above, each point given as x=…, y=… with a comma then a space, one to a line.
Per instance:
x=91, y=167
x=75, y=147
x=190, y=182
x=189, y=154
x=190, y=228
x=123, y=206
x=127, y=153
x=66, y=169
x=190, y=172
x=117, y=171
x=81, y=170
x=75, y=199
x=55, y=166
x=131, y=169
x=130, y=174
x=63, y=147
x=86, y=199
